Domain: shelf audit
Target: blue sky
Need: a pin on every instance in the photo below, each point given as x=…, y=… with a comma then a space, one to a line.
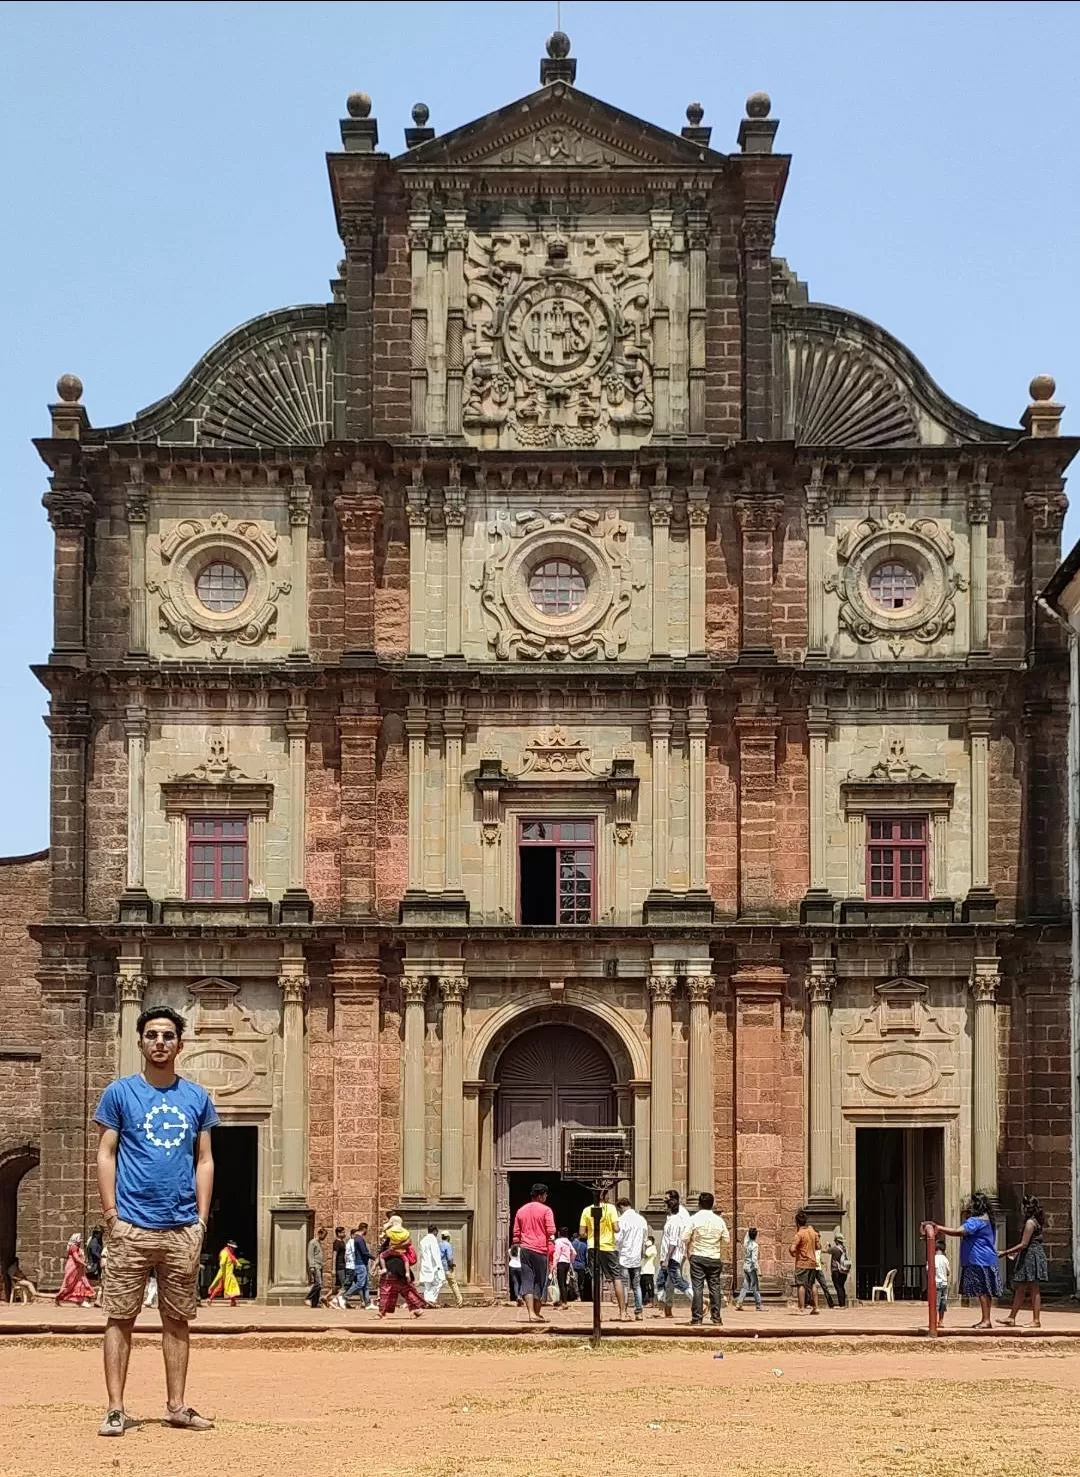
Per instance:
x=163, y=180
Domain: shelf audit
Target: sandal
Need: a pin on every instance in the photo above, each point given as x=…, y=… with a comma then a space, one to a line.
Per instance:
x=188, y=1419
x=114, y=1424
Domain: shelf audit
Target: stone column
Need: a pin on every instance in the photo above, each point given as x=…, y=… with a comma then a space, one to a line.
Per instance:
x=66, y=1100
x=357, y=983
x=452, y=989
x=697, y=730
x=979, y=738
x=135, y=728
x=455, y=237
x=453, y=735
x=137, y=516
x=290, y=1218
x=257, y=854
x=70, y=507
x=697, y=514
x=454, y=517
x=819, y=987
x=416, y=733
x=660, y=734
x=642, y=1191
x=419, y=245
x=817, y=513
x=817, y=728
x=759, y=1088
x=660, y=513
x=758, y=232
x=758, y=728
x=359, y=512
x=414, y=989
x=358, y=727
x=699, y=1161
x=130, y=990
x=69, y=730
x=985, y=980
x=697, y=242
x=661, y=989
x=978, y=528
x=416, y=509
x=296, y=729
x=358, y=232
x=661, y=239
x=299, y=519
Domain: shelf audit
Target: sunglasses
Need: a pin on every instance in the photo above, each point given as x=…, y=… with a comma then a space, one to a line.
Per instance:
x=167, y=1036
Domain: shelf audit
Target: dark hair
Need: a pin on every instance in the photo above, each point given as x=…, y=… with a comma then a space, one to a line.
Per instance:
x=752, y=1233
x=706, y=1200
x=670, y=1195
x=1032, y=1210
x=980, y=1203
x=339, y=1230
x=322, y=1230
x=800, y=1217
x=538, y=1190
x=563, y=1231
x=622, y=1202
x=362, y=1226
x=433, y=1230
x=940, y=1244
x=161, y=1013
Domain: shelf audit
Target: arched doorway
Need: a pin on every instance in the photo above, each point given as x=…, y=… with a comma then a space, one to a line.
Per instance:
x=14, y=1165
x=550, y=1078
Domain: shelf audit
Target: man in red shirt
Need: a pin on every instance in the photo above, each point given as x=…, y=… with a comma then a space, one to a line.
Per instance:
x=534, y=1233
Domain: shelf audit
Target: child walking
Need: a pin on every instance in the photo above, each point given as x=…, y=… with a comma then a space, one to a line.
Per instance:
x=941, y=1281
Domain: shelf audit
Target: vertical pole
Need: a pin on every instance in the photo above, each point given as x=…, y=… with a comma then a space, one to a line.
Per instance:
x=596, y=1279
x=931, y=1277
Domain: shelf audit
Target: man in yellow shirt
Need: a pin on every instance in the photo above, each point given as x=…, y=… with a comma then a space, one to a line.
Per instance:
x=608, y=1267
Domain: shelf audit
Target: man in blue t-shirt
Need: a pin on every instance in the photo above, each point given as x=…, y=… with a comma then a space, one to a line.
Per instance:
x=155, y=1178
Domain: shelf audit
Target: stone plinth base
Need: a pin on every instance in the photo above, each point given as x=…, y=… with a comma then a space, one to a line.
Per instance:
x=296, y=906
x=678, y=907
x=427, y=908
x=136, y=906
x=980, y=906
x=817, y=907
x=290, y=1232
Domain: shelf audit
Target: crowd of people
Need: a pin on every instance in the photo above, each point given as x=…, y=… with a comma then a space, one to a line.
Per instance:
x=416, y=1275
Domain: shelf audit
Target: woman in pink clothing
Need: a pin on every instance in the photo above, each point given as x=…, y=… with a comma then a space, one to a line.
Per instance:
x=564, y=1260
x=534, y=1233
x=76, y=1286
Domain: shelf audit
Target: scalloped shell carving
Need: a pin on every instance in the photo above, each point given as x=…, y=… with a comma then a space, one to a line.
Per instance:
x=277, y=393
x=559, y=1055
x=840, y=397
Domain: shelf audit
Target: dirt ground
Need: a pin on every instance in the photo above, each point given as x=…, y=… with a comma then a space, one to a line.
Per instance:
x=502, y=1408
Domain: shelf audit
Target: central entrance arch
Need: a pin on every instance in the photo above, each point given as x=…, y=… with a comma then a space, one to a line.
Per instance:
x=550, y=1078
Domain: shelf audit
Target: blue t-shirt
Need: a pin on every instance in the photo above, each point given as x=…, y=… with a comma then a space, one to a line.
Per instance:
x=155, y=1158
x=978, y=1245
x=447, y=1253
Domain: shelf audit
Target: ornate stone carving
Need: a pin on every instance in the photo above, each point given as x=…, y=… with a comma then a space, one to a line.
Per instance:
x=553, y=752
x=597, y=545
x=900, y=1008
x=699, y=988
x=227, y=1053
x=895, y=768
x=557, y=344
x=276, y=393
x=839, y=395
x=900, y=1049
x=185, y=549
x=452, y=989
x=662, y=988
x=414, y=988
x=985, y=982
x=820, y=981
x=217, y=768
x=925, y=547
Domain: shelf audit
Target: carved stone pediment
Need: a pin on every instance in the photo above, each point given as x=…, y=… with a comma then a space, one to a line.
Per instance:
x=900, y=1009
x=554, y=752
x=226, y=1051
x=559, y=127
x=217, y=782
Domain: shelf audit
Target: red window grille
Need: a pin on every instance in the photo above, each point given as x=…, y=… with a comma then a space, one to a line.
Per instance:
x=562, y=890
x=217, y=860
x=897, y=864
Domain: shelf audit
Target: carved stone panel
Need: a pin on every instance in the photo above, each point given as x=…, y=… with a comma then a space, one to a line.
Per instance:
x=226, y=1051
x=901, y=1053
x=558, y=337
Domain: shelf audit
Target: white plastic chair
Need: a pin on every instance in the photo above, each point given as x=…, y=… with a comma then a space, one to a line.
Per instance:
x=885, y=1288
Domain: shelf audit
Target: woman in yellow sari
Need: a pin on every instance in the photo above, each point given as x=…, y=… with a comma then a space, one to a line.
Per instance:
x=225, y=1282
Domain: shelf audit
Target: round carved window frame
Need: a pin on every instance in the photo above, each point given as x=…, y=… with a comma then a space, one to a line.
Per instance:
x=922, y=556
x=579, y=550
x=210, y=548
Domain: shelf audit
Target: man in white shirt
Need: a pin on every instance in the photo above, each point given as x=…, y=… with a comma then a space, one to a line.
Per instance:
x=669, y=1274
x=630, y=1249
x=707, y=1243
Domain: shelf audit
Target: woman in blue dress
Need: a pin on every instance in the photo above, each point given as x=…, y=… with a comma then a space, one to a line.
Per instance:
x=978, y=1256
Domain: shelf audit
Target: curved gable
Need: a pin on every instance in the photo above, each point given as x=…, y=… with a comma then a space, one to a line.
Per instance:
x=274, y=381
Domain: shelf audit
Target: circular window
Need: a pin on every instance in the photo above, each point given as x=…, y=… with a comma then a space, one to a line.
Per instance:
x=557, y=587
x=893, y=586
x=221, y=586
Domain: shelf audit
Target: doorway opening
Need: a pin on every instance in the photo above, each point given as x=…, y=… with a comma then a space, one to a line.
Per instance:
x=234, y=1208
x=567, y=1198
x=13, y=1168
x=899, y=1183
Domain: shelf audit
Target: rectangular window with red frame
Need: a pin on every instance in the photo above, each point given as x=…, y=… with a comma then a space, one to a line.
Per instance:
x=556, y=871
x=897, y=858
x=217, y=869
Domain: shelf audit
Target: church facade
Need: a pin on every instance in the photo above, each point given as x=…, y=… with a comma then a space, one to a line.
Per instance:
x=568, y=679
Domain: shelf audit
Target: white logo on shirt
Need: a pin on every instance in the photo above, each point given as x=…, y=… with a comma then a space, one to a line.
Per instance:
x=170, y=1132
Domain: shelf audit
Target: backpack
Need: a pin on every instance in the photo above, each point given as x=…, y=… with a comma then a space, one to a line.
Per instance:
x=844, y=1263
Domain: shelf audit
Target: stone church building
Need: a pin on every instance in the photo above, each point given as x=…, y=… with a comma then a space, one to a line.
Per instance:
x=569, y=678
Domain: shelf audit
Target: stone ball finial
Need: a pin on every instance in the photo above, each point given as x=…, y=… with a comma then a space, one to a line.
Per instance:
x=420, y=114
x=558, y=46
x=69, y=387
x=1042, y=387
x=341, y=267
x=694, y=114
x=358, y=104
x=758, y=105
